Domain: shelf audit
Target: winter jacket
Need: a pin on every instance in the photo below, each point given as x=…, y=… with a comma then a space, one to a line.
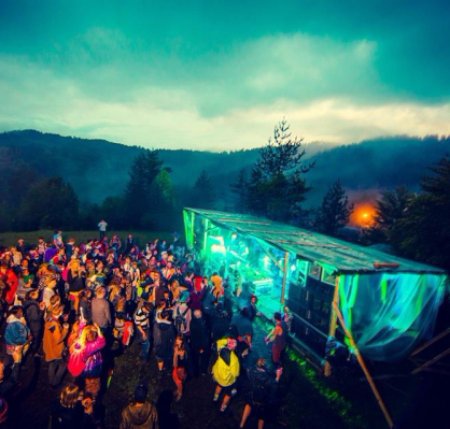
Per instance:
x=226, y=368
x=33, y=315
x=12, y=282
x=53, y=339
x=139, y=416
x=16, y=332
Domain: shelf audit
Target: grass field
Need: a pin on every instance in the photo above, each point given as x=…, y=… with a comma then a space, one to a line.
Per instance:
x=31, y=237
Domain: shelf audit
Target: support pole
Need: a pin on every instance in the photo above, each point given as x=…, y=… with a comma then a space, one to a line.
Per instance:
x=334, y=304
x=431, y=342
x=363, y=366
x=285, y=269
x=432, y=361
x=333, y=323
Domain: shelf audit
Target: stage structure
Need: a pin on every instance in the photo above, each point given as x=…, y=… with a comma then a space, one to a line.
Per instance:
x=387, y=304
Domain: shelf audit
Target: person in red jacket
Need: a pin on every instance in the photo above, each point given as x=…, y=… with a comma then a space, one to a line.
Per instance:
x=11, y=282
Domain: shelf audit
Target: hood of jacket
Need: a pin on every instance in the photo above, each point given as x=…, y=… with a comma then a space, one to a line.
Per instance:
x=139, y=415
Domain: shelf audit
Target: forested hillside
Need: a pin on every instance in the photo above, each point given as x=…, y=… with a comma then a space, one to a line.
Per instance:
x=97, y=169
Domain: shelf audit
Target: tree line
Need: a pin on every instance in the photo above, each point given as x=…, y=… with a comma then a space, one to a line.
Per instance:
x=414, y=224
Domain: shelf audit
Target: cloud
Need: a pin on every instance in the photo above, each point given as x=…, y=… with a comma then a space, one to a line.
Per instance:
x=328, y=91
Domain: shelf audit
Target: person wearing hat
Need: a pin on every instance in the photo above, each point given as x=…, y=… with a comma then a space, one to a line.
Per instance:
x=53, y=344
x=140, y=413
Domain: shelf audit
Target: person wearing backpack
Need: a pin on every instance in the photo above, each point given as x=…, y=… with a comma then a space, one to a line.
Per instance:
x=182, y=315
x=262, y=386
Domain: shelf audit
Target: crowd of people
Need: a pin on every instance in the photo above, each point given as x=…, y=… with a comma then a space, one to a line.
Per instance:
x=78, y=306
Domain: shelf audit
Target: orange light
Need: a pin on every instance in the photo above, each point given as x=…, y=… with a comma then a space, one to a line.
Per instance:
x=363, y=215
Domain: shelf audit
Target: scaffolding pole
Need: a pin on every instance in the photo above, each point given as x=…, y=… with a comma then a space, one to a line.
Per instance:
x=285, y=269
x=363, y=366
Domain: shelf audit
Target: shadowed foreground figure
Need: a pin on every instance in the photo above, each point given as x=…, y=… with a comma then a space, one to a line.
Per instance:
x=140, y=413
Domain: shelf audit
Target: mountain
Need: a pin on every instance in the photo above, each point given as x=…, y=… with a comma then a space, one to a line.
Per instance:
x=378, y=164
x=98, y=168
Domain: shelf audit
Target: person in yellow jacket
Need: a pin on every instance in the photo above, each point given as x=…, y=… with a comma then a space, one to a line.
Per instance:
x=225, y=371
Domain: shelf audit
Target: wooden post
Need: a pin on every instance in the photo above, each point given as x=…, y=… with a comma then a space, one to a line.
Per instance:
x=363, y=366
x=334, y=304
x=283, y=285
x=432, y=361
x=432, y=341
x=333, y=323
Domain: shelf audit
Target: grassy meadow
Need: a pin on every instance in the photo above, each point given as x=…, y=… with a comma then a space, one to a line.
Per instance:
x=31, y=237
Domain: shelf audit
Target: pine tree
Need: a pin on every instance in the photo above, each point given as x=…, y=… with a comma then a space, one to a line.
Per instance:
x=276, y=187
x=203, y=194
x=424, y=232
x=141, y=193
x=240, y=189
x=391, y=208
x=335, y=210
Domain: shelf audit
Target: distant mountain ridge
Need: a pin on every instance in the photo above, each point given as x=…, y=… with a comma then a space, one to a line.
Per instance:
x=98, y=168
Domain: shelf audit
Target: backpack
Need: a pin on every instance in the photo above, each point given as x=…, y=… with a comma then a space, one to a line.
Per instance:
x=180, y=320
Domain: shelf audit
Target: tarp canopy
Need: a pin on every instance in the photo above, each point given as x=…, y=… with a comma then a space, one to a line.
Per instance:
x=344, y=257
x=389, y=313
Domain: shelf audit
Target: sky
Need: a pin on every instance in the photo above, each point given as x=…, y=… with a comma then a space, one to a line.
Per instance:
x=219, y=75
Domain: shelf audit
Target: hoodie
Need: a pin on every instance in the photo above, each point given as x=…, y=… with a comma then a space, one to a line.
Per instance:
x=17, y=331
x=139, y=416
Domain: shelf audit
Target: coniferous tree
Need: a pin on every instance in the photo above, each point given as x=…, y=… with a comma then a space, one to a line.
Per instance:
x=203, y=194
x=391, y=208
x=50, y=203
x=239, y=188
x=424, y=232
x=335, y=210
x=141, y=193
x=276, y=187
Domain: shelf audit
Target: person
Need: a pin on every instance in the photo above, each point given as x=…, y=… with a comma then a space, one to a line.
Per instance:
x=142, y=322
x=182, y=315
x=102, y=225
x=262, y=389
x=94, y=343
x=218, y=289
x=199, y=344
x=243, y=325
x=252, y=310
x=140, y=413
x=163, y=336
x=17, y=337
x=34, y=315
x=277, y=336
x=100, y=310
x=11, y=282
x=77, y=282
x=58, y=239
x=225, y=371
x=288, y=317
x=180, y=360
x=53, y=344
x=67, y=412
